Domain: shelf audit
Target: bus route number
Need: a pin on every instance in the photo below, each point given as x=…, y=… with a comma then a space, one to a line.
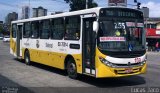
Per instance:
x=119, y=25
x=137, y=60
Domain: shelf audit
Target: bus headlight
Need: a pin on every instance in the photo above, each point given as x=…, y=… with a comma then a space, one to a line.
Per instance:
x=106, y=62
x=143, y=62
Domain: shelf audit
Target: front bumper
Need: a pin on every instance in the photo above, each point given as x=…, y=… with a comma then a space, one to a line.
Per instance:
x=104, y=71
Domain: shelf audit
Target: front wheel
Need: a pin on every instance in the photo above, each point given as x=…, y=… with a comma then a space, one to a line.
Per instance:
x=72, y=69
x=27, y=58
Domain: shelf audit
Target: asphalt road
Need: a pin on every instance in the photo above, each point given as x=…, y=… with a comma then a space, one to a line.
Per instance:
x=17, y=77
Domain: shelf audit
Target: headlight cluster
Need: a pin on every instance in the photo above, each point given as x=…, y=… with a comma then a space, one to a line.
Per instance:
x=143, y=62
x=106, y=62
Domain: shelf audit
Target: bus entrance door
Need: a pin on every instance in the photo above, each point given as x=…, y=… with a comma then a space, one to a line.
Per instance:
x=88, y=46
x=19, y=40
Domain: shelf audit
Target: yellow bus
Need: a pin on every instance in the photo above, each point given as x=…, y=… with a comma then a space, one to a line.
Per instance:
x=99, y=42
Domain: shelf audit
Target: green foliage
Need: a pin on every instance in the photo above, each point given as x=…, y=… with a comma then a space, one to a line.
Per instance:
x=1, y=29
x=80, y=4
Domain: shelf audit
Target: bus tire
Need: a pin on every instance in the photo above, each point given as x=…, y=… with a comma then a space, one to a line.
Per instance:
x=27, y=58
x=71, y=69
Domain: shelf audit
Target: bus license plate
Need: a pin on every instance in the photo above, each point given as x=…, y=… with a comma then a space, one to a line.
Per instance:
x=128, y=70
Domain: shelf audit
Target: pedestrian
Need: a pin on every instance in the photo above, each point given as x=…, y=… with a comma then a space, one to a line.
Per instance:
x=147, y=46
x=157, y=46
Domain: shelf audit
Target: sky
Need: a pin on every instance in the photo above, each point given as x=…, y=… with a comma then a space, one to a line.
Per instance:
x=7, y=6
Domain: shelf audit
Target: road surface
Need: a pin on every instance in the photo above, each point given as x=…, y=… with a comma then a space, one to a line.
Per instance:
x=18, y=77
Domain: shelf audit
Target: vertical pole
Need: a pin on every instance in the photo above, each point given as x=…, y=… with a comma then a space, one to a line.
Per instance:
x=86, y=4
x=146, y=20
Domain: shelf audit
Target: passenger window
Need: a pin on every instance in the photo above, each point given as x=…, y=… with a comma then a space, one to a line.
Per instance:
x=35, y=29
x=26, y=31
x=72, y=28
x=57, y=28
x=14, y=29
x=45, y=29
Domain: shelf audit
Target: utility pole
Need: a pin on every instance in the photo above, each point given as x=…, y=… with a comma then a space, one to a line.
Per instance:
x=86, y=4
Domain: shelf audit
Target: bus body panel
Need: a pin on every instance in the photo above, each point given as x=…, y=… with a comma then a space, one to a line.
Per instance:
x=52, y=52
x=13, y=47
x=53, y=59
x=103, y=70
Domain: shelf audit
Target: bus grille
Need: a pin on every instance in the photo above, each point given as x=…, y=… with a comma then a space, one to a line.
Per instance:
x=135, y=70
x=126, y=65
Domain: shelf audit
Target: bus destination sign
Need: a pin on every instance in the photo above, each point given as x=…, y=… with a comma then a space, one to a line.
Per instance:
x=129, y=13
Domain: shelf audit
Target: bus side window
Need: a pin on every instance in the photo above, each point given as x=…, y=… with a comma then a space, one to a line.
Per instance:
x=14, y=29
x=35, y=29
x=57, y=28
x=26, y=31
x=72, y=28
x=45, y=29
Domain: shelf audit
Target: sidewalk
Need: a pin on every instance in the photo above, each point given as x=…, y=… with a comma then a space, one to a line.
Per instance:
x=153, y=52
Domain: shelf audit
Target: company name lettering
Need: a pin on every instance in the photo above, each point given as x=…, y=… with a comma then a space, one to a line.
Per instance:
x=49, y=45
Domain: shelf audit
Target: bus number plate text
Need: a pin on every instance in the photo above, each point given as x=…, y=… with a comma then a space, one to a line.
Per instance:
x=128, y=70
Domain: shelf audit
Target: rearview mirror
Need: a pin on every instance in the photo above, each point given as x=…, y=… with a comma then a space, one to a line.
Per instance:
x=95, y=26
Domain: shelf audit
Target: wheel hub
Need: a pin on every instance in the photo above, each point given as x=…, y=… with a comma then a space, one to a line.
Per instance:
x=72, y=68
x=27, y=59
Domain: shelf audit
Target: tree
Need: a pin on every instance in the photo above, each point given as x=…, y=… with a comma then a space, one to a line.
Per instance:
x=1, y=29
x=80, y=4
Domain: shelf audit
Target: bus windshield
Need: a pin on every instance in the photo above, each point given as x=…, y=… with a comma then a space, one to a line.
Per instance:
x=116, y=35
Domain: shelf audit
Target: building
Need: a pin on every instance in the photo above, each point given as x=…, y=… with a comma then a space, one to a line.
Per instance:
x=25, y=12
x=40, y=11
x=11, y=17
x=152, y=32
x=145, y=11
x=35, y=12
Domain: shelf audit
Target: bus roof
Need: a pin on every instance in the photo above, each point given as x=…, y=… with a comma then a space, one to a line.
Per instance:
x=80, y=12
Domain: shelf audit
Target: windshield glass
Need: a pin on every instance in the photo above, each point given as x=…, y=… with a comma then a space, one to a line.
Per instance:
x=116, y=35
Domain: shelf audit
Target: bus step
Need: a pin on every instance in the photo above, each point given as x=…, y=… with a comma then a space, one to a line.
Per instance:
x=89, y=74
x=19, y=57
